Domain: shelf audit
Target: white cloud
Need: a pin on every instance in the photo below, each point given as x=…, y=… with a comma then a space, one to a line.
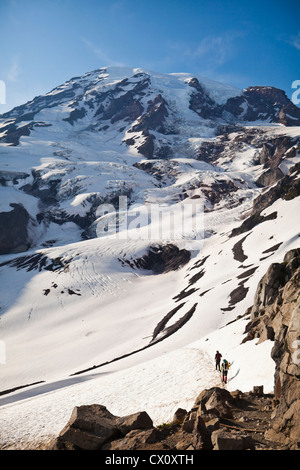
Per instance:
x=213, y=50
x=99, y=53
x=14, y=71
x=295, y=41
x=2, y=92
x=217, y=50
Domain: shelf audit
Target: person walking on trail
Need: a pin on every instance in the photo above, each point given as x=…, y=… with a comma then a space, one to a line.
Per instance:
x=224, y=369
x=218, y=360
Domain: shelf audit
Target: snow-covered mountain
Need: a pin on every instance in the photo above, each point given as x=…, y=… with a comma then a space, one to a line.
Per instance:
x=97, y=285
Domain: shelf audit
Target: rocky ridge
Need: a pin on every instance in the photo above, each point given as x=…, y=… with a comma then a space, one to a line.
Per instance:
x=275, y=315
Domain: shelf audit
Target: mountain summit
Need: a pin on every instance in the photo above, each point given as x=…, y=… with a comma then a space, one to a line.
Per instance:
x=84, y=143
x=149, y=110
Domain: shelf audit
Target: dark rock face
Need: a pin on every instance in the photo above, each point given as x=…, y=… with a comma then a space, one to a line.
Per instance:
x=125, y=106
x=14, y=236
x=163, y=171
x=88, y=429
x=255, y=103
x=289, y=115
x=13, y=133
x=271, y=156
x=75, y=115
x=154, y=118
x=201, y=103
x=275, y=315
x=263, y=103
x=210, y=151
x=7, y=177
x=162, y=259
x=269, y=177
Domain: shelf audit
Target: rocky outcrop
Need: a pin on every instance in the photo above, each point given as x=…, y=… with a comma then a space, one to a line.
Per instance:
x=264, y=103
x=154, y=119
x=269, y=151
x=255, y=103
x=287, y=188
x=11, y=132
x=160, y=259
x=219, y=420
x=8, y=177
x=163, y=259
x=275, y=315
x=272, y=155
x=201, y=103
x=14, y=235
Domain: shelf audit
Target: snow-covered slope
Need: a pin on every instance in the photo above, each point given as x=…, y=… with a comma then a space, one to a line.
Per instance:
x=88, y=313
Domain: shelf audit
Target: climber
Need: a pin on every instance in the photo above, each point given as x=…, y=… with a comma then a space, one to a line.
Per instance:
x=218, y=360
x=224, y=369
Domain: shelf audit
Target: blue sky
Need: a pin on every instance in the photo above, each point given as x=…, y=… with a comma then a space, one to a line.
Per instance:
x=46, y=42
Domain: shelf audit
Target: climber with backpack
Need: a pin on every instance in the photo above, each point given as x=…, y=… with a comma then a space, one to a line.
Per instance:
x=224, y=369
x=218, y=360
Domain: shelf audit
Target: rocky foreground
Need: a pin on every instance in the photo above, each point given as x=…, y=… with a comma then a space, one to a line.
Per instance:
x=219, y=420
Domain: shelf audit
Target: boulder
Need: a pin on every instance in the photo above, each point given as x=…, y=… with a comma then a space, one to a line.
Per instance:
x=92, y=426
x=218, y=407
x=189, y=422
x=89, y=427
x=201, y=435
x=179, y=416
x=140, y=420
x=258, y=389
x=224, y=440
x=135, y=440
x=216, y=401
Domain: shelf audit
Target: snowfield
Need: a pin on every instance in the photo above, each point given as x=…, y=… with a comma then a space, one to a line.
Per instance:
x=160, y=386
x=158, y=379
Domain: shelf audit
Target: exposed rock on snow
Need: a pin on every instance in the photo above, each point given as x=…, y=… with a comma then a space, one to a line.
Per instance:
x=288, y=188
x=263, y=102
x=14, y=234
x=162, y=259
